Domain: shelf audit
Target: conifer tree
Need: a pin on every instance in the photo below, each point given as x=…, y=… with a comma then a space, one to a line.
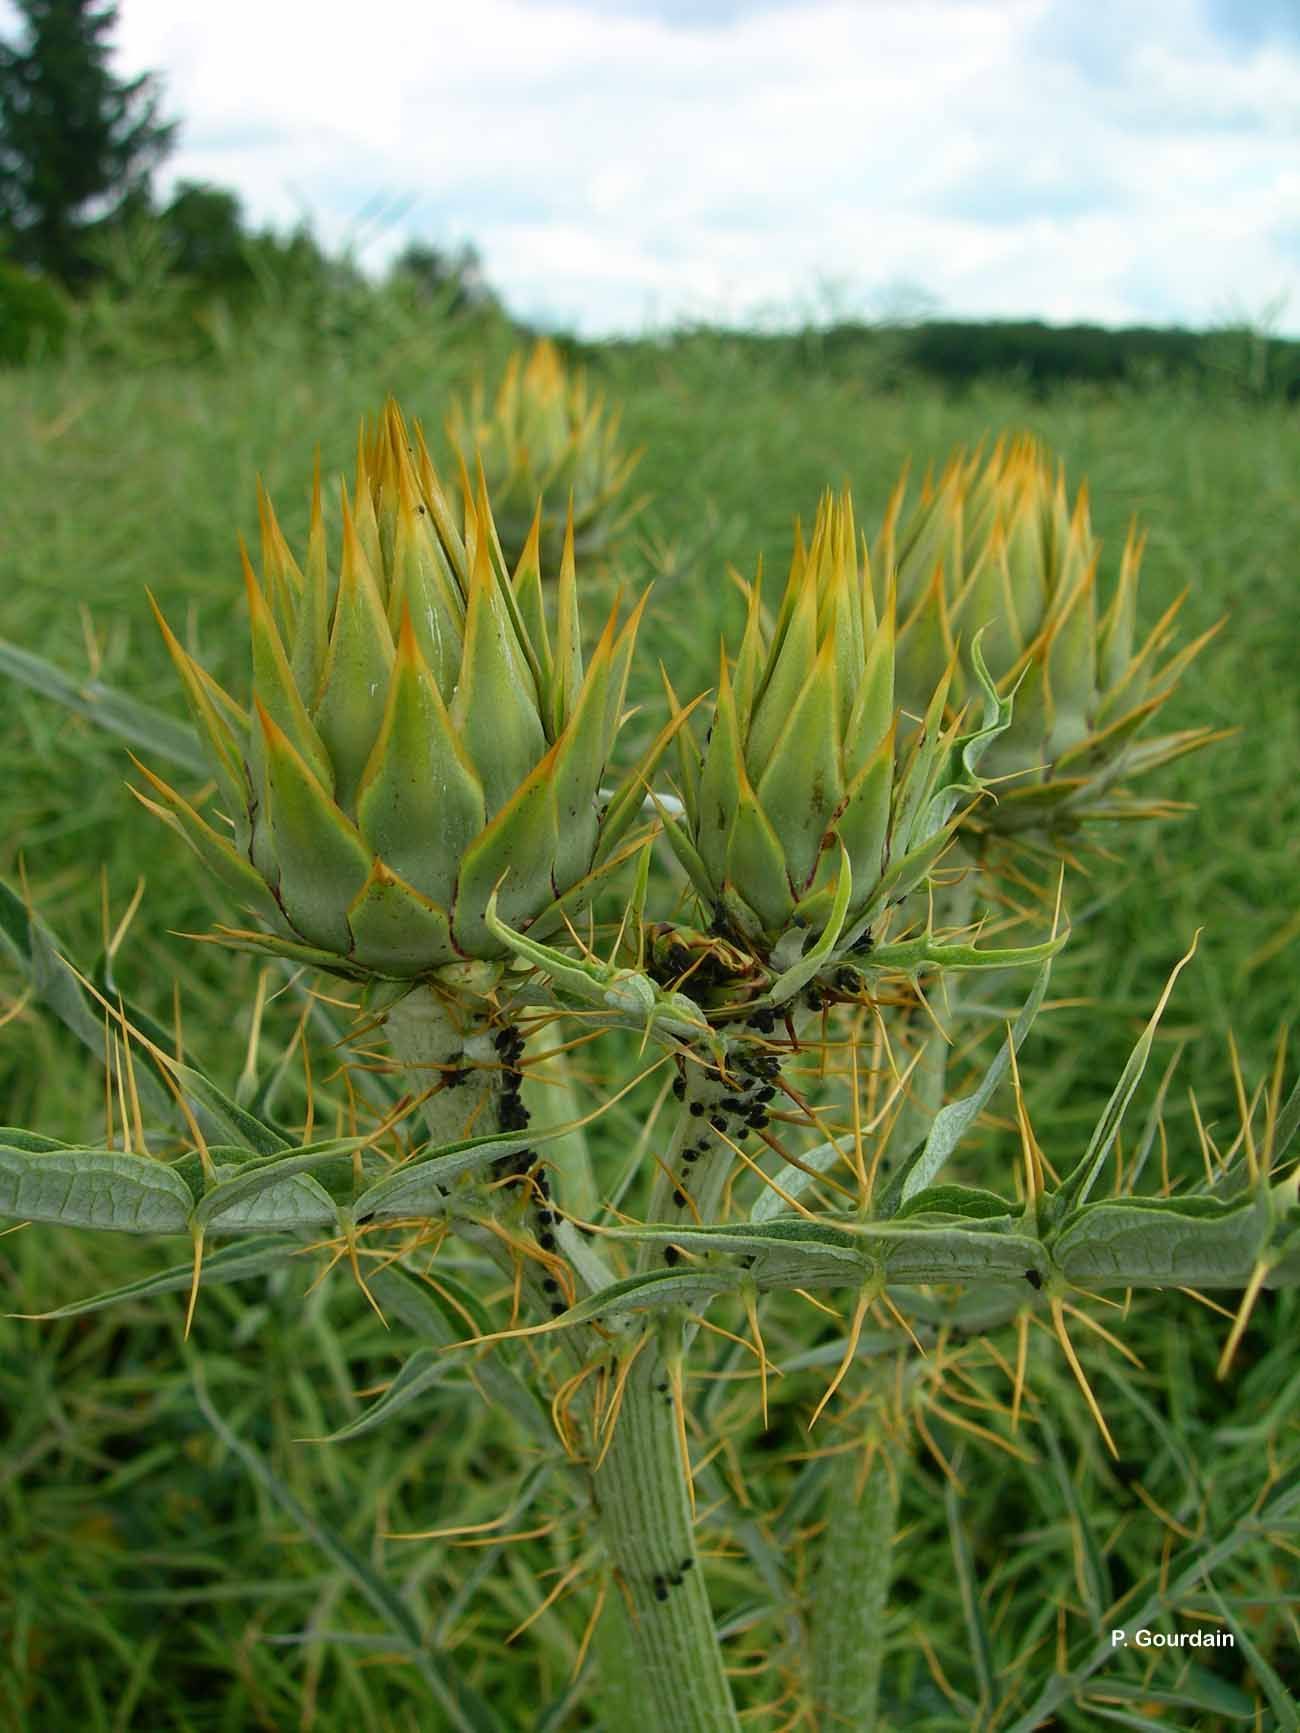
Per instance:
x=77, y=143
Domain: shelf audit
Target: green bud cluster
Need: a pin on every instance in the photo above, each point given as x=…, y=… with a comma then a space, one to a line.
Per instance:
x=996, y=547
x=418, y=735
x=799, y=781
x=547, y=435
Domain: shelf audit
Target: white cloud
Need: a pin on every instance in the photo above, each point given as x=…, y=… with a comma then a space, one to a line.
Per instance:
x=1017, y=157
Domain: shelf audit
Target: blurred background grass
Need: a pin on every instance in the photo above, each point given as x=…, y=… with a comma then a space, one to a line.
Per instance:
x=144, y=1579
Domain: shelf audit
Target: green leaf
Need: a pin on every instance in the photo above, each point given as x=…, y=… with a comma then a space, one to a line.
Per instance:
x=650, y=1291
x=420, y=804
x=36, y=950
x=951, y=1123
x=790, y=981
x=1193, y=1242
x=1280, y=1700
x=981, y=1649
x=94, y=1188
x=439, y=1314
x=969, y=749
x=426, y=1368
x=811, y=1244
x=841, y=1251
x=322, y=862
x=912, y=955
x=959, y=1202
x=687, y=857
x=249, y=1199
x=15, y=1137
x=915, y=1252
x=346, y=708
x=720, y=784
x=1083, y=1176
x=624, y=992
x=794, y=1181
x=465, y=1710
x=395, y=931
x=1288, y=1123
x=1090, y=1572
x=108, y=709
x=415, y=1187
x=235, y=1263
x=295, y=1202
x=494, y=707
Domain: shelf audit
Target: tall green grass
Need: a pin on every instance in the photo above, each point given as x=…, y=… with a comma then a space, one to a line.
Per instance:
x=145, y=1583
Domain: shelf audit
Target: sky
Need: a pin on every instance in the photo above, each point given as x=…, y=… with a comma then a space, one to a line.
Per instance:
x=629, y=164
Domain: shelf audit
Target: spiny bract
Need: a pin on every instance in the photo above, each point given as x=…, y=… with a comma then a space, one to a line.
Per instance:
x=996, y=545
x=798, y=771
x=547, y=437
x=418, y=736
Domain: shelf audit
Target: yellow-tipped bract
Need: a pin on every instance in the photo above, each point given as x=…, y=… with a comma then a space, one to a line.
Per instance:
x=547, y=437
x=997, y=546
x=797, y=778
x=418, y=738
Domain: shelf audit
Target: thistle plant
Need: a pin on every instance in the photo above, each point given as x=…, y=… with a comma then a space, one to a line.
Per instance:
x=995, y=548
x=547, y=435
x=415, y=736
x=416, y=805
x=795, y=817
x=420, y=741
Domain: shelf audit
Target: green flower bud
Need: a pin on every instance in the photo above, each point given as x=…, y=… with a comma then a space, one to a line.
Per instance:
x=797, y=775
x=419, y=739
x=547, y=436
x=998, y=547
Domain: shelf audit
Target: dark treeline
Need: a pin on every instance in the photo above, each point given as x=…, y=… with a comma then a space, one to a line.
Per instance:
x=192, y=278
x=1042, y=358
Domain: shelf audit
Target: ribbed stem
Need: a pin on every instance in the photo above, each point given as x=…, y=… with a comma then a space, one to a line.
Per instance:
x=438, y=1043
x=718, y=1109
x=852, y=1586
x=453, y=1040
x=615, y=1702
x=643, y=1510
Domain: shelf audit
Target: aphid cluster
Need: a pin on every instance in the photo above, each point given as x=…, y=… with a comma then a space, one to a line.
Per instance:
x=514, y=1116
x=662, y=1581
x=509, y=1044
x=727, y=1102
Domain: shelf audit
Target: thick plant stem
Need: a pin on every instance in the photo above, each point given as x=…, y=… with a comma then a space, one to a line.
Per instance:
x=446, y=1053
x=643, y=1510
x=463, y=1058
x=616, y=1702
x=852, y=1586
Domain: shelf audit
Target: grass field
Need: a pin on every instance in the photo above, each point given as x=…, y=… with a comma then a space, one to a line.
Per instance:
x=146, y=1581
